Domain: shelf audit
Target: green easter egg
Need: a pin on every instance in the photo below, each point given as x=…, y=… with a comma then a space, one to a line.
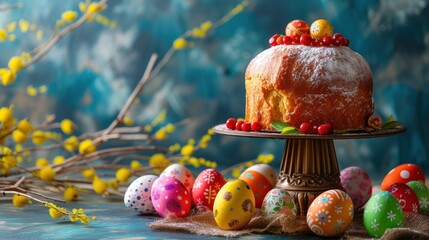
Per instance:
x=382, y=212
x=422, y=192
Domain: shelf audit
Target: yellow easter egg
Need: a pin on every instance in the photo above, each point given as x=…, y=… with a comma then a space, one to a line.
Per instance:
x=234, y=205
x=321, y=28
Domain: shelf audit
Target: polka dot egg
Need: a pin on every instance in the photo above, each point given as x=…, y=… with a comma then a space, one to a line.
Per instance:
x=261, y=179
x=137, y=195
x=170, y=197
x=403, y=173
x=234, y=205
x=321, y=28
x=181, y=173
x=330, y=214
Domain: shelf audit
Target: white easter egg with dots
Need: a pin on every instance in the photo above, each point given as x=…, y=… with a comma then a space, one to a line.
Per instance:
x=138, y=197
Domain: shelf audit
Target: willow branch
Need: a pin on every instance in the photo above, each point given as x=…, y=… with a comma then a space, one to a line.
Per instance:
x=133, y=95
x=10, y=7
x=60, y=35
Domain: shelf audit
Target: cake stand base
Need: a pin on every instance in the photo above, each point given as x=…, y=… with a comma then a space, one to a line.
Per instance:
x=308, y=168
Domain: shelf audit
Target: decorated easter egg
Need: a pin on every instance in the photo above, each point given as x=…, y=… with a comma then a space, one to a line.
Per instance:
x=181, y=173
x=382, y=211
x=403, y=173
x=422, y=192
x=206, y=186
x=405, y=196
x=321, y=28
x=278, y=201
x=261, y=179
x=330, y=214
x=170, y=196
x=297, y=28
x=357, y=184
x=234, y=205
x=137, y=195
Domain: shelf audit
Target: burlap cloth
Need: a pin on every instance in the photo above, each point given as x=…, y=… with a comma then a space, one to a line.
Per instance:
x=202, y=222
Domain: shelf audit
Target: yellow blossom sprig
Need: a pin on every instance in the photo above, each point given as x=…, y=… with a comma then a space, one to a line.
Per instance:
x=17, y=63
x=74, y=160
x=202, y=30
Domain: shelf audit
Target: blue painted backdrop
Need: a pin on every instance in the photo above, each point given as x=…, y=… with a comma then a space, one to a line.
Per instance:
x=91, y=72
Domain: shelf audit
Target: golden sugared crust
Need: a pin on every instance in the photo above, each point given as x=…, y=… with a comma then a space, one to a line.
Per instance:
x=297, y=83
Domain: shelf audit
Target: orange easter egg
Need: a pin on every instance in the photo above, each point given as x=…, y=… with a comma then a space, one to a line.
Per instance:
x=261, y=179
x=330, y=214
x=403, y=173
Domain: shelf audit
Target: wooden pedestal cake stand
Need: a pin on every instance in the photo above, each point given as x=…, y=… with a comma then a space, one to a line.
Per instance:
x=309, y=164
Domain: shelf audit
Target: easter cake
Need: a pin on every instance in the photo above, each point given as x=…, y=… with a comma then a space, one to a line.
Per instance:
x=309, y=76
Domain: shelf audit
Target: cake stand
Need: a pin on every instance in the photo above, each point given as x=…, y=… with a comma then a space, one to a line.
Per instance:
x=309, y=164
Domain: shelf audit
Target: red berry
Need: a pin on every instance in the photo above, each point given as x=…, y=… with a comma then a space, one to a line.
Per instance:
x=314, y=130
x=296, y=39
x=336, y=42
x=256, y=126
x=279, y=40
x=337, y=35
x=287, y=40
x=346, y=42
x=238, y=125
x=273, y=39
x=230, y=123
x=315, y=42
x=306, y=128
x=305, y=39
x=247, y=126
x=324, y=129
x=326, y=41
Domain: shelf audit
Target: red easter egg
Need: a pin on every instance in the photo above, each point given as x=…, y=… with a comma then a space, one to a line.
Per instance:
x=403, y=173
x=297, y=28
x=206, y=186
x=406, y=197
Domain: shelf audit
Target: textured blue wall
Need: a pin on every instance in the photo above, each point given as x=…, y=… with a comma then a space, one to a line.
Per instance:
x=91, y=72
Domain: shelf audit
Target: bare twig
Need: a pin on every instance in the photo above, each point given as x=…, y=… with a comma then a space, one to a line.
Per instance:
x=51, y=42
x=133, y=95
x=10, y=7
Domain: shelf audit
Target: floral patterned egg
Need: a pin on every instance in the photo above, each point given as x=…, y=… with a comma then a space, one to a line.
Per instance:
x=261, y=179
x=169, y=196
x=137, y=195
x=181, y=173
x=405, y=196
x=278, y=201
x=206, y=186
x=330, y=214
x=382, y=212
x=357, y=184
x=403, y=173
x=234, y=205
x=422, y=192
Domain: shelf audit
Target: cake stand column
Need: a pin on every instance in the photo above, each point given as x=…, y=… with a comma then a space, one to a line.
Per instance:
x=308, y=168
